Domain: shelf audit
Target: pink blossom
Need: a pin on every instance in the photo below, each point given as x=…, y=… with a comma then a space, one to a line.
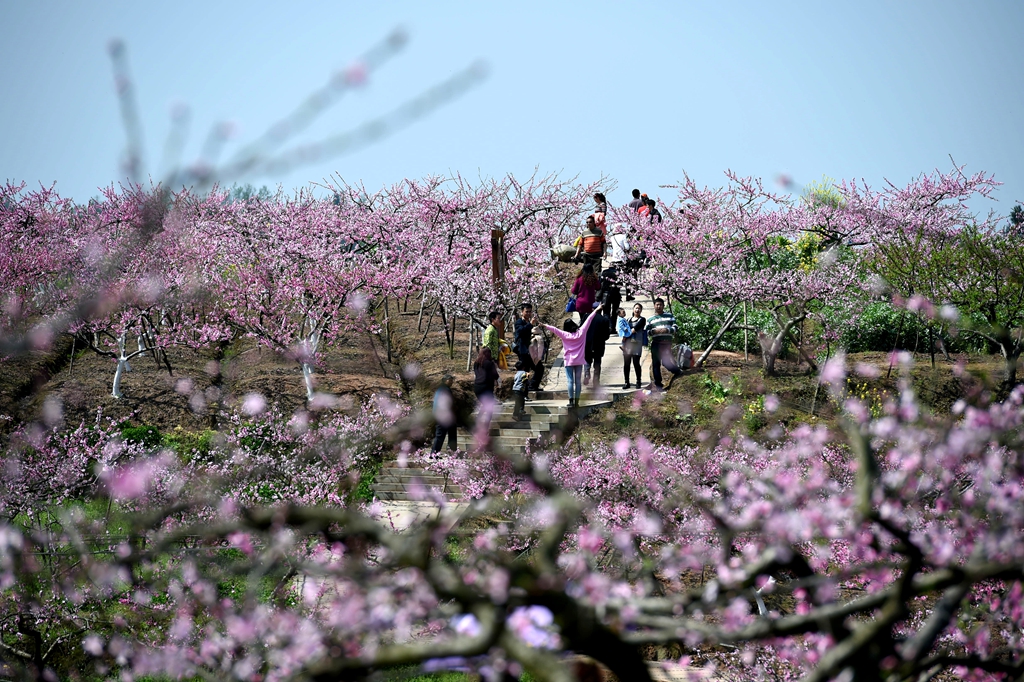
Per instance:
x=253, y=404
x=834, y=370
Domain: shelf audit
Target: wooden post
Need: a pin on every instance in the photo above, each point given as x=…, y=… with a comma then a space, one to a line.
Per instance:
x=497, y=259
x=387, y=324
x=746, y=352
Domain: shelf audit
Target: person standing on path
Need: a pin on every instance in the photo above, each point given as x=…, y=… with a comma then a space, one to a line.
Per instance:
x=591, y=244
x=601, y=213
x=521, y=337
x=618, y=245
x=637, y=201
x=610, y=295
x=574, y=340
x=645, y=206
x=597, y=338
x=661, y=328
x=491, y=338
x=631, y=329
x=444, y=415
x=485, y=382
x=485, y=376
x=652, y=211
x=585, y=290
x=520, y=384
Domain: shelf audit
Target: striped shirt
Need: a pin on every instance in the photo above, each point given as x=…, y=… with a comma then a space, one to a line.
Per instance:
x=593, y=243
x=666, y=320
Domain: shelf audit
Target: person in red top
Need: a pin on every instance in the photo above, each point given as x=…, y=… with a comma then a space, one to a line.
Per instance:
x=601, y=213
x=645, y=206
x=585, y=290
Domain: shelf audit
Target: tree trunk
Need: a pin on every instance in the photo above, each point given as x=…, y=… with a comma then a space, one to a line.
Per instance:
x=768, y=353
x=122, y=366
x=746, y=347
x=387, y=326
x=733, y=314
x=309, y=347
x=1011, y=354
x=931, y=345
x=771, y=347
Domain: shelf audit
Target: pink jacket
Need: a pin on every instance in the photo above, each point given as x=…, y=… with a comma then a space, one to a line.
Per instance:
x=573, y=344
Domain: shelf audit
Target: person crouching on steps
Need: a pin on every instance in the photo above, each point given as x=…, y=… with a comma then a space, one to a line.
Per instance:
x=574, y=340
x=520, y=384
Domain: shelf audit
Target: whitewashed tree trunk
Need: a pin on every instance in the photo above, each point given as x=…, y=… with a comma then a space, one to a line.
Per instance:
x=122, y=365
x=309, y=347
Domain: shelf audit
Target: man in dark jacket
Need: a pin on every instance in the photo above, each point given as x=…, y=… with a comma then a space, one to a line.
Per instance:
x=445, y=417
x=597, y=338
x=521, y=344
x=610, y=295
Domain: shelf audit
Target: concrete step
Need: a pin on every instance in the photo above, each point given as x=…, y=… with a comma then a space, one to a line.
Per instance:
x=518, y=432
x=407, y=471
x=432, y=481
x=400, y=485
x=404, y=496
x=393, y=483
x=395, y=488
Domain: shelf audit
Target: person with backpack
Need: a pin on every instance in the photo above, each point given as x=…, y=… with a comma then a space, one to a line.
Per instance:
x=618, y=245
x=661, y=328
x=585, y=290
x=632, y=331
x=521, y=337
x=609, y=295
x=592, y=244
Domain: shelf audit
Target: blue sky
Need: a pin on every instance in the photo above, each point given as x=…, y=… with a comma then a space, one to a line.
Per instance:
x=871, y=90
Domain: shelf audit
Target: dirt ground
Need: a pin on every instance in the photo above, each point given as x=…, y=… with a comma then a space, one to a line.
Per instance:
x=358, y=367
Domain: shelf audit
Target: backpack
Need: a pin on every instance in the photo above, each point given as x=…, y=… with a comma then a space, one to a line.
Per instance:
x=503, y=353
x=684, y=356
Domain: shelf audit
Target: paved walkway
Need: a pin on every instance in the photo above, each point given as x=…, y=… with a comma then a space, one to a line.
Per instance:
x=611, y=365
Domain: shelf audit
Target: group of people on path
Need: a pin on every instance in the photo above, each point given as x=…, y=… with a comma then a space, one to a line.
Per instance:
x=595, y=296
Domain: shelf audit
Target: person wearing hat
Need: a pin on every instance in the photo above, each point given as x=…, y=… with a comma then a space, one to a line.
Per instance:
x=645, y=207
x=618, y=244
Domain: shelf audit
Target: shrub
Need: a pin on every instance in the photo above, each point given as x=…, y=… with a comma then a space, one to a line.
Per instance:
x=145, y=435
x=883, y=327
x=697, y=328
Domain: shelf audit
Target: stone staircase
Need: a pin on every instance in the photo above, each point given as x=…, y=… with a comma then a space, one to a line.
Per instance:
x=542, y=422
x=545, y=418
x=393, y=483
